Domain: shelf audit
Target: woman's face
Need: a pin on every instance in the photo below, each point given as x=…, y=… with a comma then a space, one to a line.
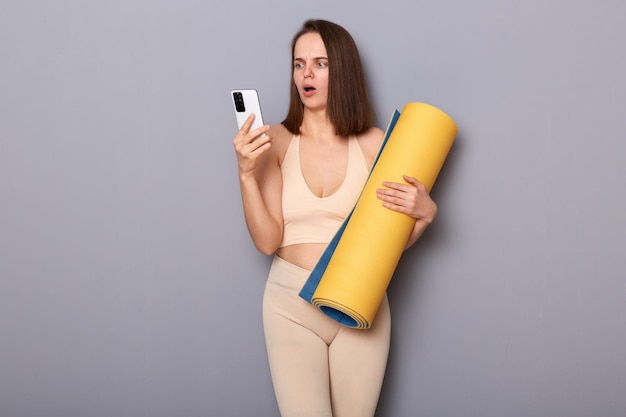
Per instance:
x=310, y=71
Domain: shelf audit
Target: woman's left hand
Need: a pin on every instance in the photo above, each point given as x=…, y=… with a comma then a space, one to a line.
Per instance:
x=411, y=199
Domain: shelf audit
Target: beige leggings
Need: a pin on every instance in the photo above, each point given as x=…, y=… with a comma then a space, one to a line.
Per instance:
x=320, y=368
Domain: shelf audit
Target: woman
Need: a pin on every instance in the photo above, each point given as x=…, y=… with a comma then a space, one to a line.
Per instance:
x=298, y=183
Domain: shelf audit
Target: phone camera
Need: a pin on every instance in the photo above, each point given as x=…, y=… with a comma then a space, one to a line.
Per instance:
x=239, y=105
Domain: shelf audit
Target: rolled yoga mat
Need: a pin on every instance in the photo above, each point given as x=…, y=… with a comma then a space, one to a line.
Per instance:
x=351, y=278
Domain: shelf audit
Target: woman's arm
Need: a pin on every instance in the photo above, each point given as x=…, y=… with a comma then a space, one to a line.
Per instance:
x=411, y=199
x=260, y=182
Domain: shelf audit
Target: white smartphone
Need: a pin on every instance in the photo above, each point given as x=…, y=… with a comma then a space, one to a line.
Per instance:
x=247, y=102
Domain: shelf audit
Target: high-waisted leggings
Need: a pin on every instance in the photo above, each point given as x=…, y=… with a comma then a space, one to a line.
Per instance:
x=319, y=367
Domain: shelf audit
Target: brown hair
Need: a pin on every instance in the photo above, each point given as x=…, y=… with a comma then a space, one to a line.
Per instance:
x=349, y=107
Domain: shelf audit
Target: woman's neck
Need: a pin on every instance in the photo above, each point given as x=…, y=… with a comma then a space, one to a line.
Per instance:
x=317, y=124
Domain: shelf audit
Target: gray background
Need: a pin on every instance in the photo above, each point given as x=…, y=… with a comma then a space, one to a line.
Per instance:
x=129, y=285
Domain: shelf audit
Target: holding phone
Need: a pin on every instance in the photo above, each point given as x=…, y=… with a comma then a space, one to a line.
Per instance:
x=247, y=102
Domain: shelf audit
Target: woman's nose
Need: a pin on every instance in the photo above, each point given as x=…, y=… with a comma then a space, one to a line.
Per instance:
x=307, y=72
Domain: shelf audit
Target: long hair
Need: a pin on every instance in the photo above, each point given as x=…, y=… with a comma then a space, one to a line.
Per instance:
x=349, y=108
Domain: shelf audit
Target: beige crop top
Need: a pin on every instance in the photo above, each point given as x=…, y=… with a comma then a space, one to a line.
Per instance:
x=312, y=219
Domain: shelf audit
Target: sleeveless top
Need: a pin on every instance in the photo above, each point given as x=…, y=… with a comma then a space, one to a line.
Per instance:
x=312, y=219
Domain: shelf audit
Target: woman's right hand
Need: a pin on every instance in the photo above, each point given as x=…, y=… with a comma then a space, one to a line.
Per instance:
x=250, y=145
x=260, y=181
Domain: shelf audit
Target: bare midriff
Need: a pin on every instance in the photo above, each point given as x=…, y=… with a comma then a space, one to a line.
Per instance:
x=304, y=255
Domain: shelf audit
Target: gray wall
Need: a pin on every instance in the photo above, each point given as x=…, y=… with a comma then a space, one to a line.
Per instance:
x=129, y=286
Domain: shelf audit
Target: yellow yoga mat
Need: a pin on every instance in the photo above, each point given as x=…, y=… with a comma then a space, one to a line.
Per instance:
x=351, y=278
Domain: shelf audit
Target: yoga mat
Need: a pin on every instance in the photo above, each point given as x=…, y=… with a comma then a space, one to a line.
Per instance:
x=350, y=280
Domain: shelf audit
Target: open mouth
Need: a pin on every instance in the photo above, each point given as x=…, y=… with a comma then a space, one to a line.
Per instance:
x=308, y=89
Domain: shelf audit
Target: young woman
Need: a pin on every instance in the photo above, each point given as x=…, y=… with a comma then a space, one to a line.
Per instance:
x=298, y=183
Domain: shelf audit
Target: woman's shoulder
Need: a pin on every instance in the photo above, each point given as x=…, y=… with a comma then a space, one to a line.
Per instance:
x=281, y=138
x=370, y=142
x=280, y=132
